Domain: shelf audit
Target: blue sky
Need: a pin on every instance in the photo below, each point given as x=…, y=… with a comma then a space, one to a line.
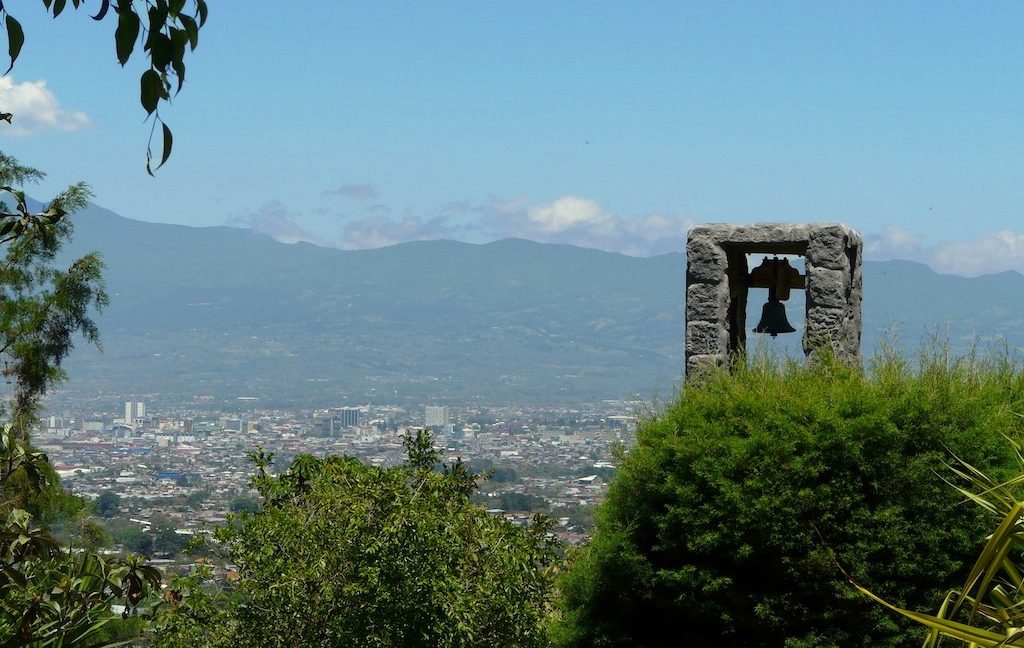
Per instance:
x=611, y=125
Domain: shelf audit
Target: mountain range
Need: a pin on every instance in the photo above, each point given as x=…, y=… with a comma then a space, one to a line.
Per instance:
x=222, y=313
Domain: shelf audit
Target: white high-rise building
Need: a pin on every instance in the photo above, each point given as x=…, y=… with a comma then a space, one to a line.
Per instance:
x=134, y=410
x=436, y=417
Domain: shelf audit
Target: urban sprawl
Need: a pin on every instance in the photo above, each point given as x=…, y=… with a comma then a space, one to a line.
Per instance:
x=187, y=469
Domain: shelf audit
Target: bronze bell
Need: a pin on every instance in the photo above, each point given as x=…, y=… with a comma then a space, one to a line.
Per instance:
x=773, y=319
x=778, y=277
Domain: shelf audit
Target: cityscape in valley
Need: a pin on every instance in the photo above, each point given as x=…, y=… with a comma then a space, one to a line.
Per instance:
x=147, y=466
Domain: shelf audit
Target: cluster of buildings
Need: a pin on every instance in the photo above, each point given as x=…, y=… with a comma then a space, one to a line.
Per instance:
x=192, y=467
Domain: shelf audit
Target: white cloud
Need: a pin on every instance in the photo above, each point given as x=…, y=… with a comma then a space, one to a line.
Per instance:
x=566, y=213
x=583, y=222
x=989, y=253
x=992, y=252
x=35, y=109
x=381, y=231
x=274, y=220
x=570, y=219
x=579, y=221
x=893, y=243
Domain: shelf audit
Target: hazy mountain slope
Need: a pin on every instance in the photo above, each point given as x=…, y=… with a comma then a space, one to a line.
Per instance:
x=224, y=312
x=231, y=313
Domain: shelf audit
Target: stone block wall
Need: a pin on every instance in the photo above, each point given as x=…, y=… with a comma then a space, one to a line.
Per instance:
x=716, y=289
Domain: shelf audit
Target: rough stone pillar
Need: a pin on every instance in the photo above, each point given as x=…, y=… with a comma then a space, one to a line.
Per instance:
x=834, y=290
x=717, y=280
x=707, y=300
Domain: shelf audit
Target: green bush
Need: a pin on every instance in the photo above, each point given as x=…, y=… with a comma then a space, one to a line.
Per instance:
x=719, y=527
x=344, y=554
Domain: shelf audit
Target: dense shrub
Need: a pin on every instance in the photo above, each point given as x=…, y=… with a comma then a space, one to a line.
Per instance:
x=720, y=526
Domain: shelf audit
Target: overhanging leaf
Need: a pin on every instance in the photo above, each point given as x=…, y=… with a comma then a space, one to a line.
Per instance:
x=102, y=13
x=191, y=28
x=126, y=34
x=15, y=39
x=168, y=143
x=151, y=85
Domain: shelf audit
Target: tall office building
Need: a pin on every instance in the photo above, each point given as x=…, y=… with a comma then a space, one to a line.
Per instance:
x=134, y=410
x=338, y=419
x=347, y=416
x=436, y=417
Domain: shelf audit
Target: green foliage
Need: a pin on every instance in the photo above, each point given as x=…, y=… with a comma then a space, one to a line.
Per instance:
x=50, y=594
x=166, y=32
x=988, y=610
x=42, y=307
x=195, y=612
x=52, y=597
x=92, y=535
x=108, y=504
x=165, y=539
x=343, y=554
x=246, y=503
x=719, y=527
x=510, y=501
x=134, y=540
x=504, y=474
x=197, y=497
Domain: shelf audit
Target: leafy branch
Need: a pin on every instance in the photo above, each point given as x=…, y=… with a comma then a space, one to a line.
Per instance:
x=166, y=31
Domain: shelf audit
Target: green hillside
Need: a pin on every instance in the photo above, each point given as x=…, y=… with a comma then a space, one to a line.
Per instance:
x=224, y=312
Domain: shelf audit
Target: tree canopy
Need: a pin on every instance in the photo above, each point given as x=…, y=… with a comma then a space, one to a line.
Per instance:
x=344, y=554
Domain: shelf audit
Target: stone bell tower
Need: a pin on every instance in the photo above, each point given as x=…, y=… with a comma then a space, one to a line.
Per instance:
x=718, y=280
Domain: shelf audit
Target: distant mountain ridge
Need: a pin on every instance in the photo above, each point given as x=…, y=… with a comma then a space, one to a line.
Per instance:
x=224, y=312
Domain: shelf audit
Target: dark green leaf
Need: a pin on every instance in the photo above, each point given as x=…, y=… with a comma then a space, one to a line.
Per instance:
x=179, y=71
x=191, y=28
x=201, y=8
x=58, y=7
x=152, y=87
x=179, y=41
x=102, y=13
x=126, y=34
x=168, y=143
x=162, y=50
x=15, y=39
x=157, y=19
